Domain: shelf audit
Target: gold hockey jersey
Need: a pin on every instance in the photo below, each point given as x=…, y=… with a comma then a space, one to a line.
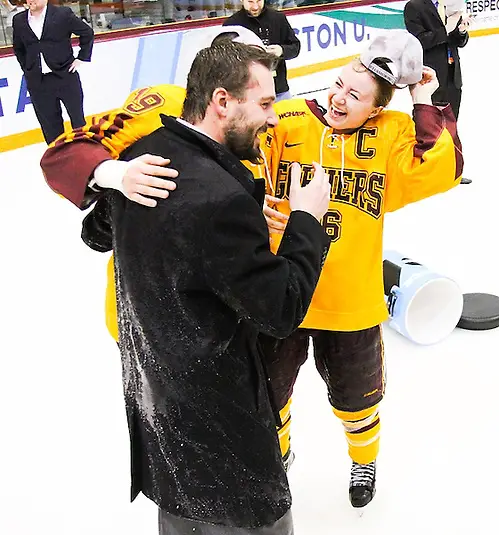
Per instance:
x=392, y=160
x=115, y=130
x=389, y=162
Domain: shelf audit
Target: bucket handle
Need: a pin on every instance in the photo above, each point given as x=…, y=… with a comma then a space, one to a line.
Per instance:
x=392, y=299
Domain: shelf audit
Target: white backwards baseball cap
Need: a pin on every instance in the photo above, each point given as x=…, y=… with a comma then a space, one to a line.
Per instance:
x=455, y=6
x=245, y=36
x=402, y=53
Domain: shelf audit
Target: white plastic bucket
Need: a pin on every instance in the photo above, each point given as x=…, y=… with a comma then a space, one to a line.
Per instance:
x=424, y=306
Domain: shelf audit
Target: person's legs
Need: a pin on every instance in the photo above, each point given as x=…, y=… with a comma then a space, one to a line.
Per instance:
x=455, y=99
x=453, y=92
x=455, y=102
x=172, y=525
x=284, y=359
x=440, y=96
x=47, y=107
x=71, y=94
x=447, y=92
x=352, y=366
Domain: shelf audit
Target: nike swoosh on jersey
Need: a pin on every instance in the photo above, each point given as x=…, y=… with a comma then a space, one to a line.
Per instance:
x=286, y=144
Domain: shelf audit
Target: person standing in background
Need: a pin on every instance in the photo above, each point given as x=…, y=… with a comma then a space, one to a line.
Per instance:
x=442, y=29
x=42, y=45
x=273, y=28
x=7, y=11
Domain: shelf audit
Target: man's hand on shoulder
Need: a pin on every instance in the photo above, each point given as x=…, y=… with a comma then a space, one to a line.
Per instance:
x=139, y=179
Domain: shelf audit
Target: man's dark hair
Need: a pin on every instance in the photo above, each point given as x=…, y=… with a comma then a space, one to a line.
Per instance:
x=226, y=65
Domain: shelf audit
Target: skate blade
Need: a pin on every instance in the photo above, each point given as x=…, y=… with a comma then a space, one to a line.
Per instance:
x=361, y=510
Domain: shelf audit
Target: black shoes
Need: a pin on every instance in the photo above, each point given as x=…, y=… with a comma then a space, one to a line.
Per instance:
x=362, y=484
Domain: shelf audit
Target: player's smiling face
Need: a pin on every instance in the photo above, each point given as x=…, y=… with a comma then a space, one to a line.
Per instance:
x=351, y=99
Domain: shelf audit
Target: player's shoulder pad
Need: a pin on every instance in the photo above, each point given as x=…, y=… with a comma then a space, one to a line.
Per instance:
x=392, y=122
x=168, y=91
x=394, y=116
x=166, y=98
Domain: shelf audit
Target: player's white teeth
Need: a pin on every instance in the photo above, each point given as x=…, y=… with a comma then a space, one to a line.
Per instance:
x=337, y=111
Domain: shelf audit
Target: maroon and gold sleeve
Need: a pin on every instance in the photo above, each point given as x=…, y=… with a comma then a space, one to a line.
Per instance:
x=426, y=159
x=69, y=162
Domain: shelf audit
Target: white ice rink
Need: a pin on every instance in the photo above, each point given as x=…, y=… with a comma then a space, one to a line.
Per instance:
x=64, y=464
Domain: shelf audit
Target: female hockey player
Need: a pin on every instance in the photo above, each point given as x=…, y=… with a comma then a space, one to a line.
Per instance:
x=378, y=161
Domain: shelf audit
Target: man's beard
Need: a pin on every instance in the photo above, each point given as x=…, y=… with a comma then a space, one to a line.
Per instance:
x=241, y=142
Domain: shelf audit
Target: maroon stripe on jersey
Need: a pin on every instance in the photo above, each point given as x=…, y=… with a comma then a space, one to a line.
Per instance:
x=451, y=125
x=430, y=123
x=317, y=110
x=78, y=160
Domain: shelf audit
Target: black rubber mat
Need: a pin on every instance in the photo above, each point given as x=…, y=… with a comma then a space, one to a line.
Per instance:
x=480, y=312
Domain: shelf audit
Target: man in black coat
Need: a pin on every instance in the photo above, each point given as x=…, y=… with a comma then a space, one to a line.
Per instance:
x=42, y=45
x=196, y=283
x=273, y=28
x=441, y=37
x=441, y=41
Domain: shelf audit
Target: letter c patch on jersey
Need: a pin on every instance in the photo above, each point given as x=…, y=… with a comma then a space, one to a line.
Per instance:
x=361, y=151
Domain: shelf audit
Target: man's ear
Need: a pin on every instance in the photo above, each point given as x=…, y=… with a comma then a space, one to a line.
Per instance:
x=220, y=99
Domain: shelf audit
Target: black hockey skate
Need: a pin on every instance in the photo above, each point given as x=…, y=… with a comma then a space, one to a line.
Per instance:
x=362, y=484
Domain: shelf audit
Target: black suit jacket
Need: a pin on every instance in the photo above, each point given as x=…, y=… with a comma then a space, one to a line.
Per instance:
x=196, y=282
x=54, y=44
x=423, y=21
